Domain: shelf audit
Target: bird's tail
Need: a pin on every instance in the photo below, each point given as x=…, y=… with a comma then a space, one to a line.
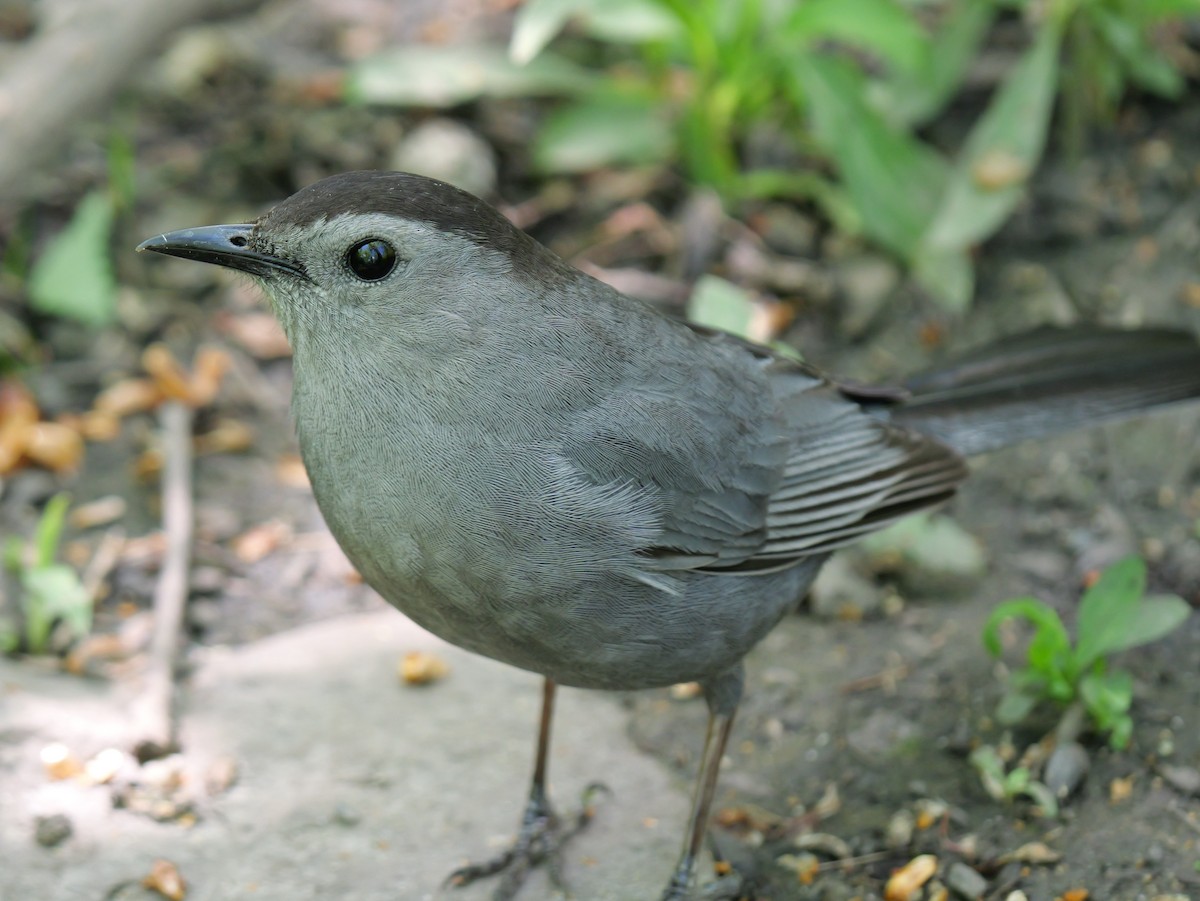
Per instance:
x=1049, y=381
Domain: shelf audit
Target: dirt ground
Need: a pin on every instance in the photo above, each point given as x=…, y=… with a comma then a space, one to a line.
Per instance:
x=850, y=728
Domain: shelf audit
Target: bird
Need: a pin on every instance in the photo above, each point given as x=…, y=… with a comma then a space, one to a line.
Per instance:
x=550, y=473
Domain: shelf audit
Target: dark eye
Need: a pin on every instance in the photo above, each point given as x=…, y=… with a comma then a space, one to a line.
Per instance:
x=372, y=259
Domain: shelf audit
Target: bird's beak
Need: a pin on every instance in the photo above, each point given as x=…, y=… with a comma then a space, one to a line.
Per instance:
x=224, y=245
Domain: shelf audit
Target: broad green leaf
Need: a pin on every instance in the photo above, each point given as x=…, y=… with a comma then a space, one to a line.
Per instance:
x=54, y=593
x=603, y=130
x=722, y=305
x=630, y=21
x=1150, y=10
x=893, y=179
x=619, y=21
x=1013, y=128
x=536, y=24
x=1015, y=706
x=1107, y=611
x=446, y=76
x=1156, y=616
x=947, y=274
x=1144, y=62
x=883, y=27
x=73, y=278
x=915, y=96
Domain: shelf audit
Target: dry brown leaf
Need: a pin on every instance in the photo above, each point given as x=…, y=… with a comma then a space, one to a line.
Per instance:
x=422, y=668
x=148, y=464
x=18, y=414
x=291, y=472
x=255, y=543
x=226, y=437
x=101, y=512
x=98, y=425
x=905, y=882
x=1032, y=852
x=259, y=333
x=54, y=446
x=126, y=397
x=1120, y=790
x=208, y=369
x=165, y=879
x=59, y=763
x=167, y=372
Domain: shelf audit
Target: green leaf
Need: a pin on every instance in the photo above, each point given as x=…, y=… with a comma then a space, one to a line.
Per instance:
x=719, y=304
x=883, y=27
x=1013, y=128
x=445, y=76
x=10, y=638
x=73, y=278
x=1157, y=615
x=1044, y=618
x=1042, y=797
x=947, y=274
x=1107, y=699
x=1151, y=10
x=536, y=24
x=916, y=96
x=54, y=593
x=1107, y=611
x=1015, y=706
x=1106, y=694
x=49, y=529
x=893, y=179
x=604, y=130
x=630, y=21
x=1127, y=40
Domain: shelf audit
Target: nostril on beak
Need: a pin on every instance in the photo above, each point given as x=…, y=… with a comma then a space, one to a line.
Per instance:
x=238, y=241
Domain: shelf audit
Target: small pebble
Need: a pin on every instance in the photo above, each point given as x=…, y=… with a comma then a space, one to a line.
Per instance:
x=964, y=882
x=52, y=830
x=345, y=815
x=1181, y=778
x=1065, y=769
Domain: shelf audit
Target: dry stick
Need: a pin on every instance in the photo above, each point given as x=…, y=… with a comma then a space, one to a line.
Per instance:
x=154, y=709
x=87, y=56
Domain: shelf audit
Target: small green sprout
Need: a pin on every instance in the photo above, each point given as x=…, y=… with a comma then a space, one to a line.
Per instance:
x=50, y=592
x=1114, y=615
x=1010, y=785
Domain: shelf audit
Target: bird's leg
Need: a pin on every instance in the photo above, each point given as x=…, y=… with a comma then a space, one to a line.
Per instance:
x=542, y=834
x=722, y=695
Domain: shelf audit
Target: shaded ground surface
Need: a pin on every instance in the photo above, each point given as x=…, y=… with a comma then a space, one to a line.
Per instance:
x=354, y=788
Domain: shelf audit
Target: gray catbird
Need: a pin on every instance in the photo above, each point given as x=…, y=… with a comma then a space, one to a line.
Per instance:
x=542, y=470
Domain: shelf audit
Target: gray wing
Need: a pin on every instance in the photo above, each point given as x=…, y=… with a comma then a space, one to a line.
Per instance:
x=756, y=463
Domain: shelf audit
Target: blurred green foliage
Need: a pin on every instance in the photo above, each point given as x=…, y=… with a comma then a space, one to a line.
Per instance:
x=50, y=592
x=1115, y=614
x=73, y=276
x=846, y=84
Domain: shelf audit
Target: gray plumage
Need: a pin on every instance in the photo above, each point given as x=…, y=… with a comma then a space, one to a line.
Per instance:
x=547, y=472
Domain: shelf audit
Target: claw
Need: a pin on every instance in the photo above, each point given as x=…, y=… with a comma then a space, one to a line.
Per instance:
x=540, y=840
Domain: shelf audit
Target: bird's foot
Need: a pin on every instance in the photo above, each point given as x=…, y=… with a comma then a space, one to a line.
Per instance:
x=540, y=840
x=729, y=886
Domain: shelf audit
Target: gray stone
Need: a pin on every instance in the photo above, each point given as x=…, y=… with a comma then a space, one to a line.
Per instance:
x=449, y=150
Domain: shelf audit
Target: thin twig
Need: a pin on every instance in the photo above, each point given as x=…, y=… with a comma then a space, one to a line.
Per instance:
x=87, y=55
x=154, y=709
